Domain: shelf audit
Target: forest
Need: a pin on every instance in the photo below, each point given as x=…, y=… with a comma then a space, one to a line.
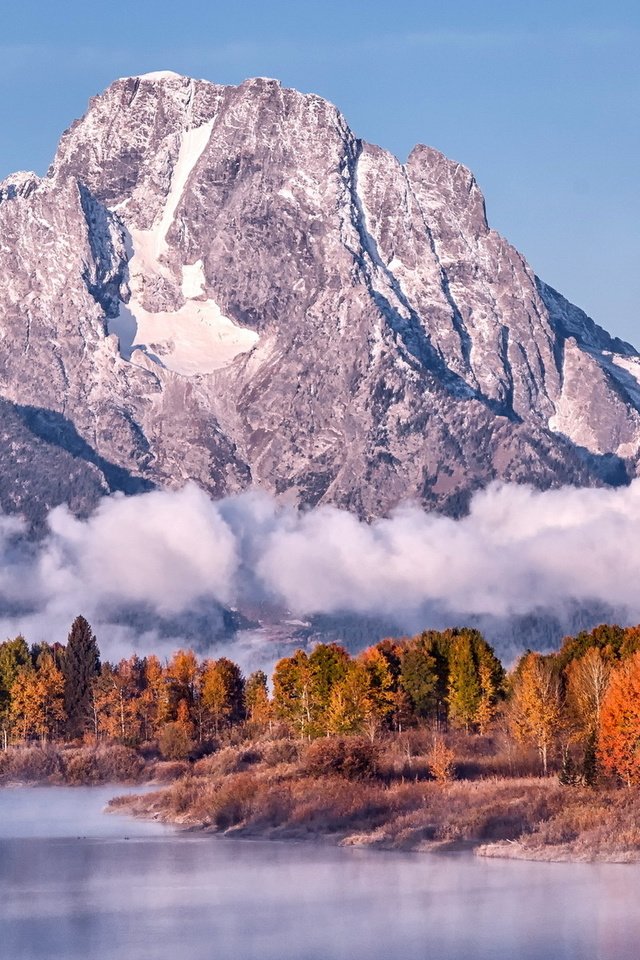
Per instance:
x=350, y=746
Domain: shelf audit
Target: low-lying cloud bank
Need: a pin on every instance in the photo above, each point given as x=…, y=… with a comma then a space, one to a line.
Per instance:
x=519, y=551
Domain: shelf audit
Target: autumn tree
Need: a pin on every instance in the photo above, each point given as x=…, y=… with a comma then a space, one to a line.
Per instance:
x=294, y=684
x=350, y=705
x=535, y=708
x=51, y=682
x=463, y=695
x=256, y=698
x=175, y=738
x=14, y=655
x=80, y=667
x=182, y=676
x=613, y=642
x=37, y=699
x=117, y=700
x=475, y=679
x=222, y=693
x=363, y=701
x=491, y=680
x=155, y=699
x=619, y=727
x=381, y=689
x=587, y=681
x=328, y=664
x=441, y=760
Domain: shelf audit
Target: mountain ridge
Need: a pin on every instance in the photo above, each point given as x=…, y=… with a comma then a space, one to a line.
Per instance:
x=225, y=284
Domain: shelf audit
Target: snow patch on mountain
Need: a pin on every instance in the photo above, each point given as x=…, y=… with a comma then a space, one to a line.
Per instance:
x=195, y=339
x=192, y=146
x=193, y=280
x=160, y=75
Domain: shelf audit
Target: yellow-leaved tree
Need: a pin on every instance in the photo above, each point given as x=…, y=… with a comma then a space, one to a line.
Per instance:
x=535, y=706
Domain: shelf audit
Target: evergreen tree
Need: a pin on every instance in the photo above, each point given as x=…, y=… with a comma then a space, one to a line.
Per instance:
x=81, y=664
x=419, y=677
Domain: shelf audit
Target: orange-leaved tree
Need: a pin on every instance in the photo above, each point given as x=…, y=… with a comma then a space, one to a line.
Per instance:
x=619, y=730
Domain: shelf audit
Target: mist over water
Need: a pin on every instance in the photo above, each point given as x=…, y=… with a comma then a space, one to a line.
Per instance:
x=77, y=885
x=141, y=567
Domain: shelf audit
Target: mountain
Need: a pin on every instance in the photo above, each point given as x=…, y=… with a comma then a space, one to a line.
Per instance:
x=225, y=284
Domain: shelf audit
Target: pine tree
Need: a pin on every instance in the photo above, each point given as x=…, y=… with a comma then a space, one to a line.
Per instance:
x=80, y=667
x=419, y=677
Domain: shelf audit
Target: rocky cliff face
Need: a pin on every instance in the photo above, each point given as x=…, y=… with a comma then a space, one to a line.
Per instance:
x=225, y=284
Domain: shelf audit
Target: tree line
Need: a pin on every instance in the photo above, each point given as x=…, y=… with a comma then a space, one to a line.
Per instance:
x=578, y=708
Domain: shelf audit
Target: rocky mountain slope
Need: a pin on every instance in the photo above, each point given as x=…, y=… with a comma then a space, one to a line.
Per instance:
x=226, y=284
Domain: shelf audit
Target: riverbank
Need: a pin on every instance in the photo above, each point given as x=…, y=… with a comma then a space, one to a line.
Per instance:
x=278, y=792
x=349, y=792
x=72, y=765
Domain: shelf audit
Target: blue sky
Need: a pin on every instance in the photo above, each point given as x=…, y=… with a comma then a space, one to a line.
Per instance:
x=540, y=99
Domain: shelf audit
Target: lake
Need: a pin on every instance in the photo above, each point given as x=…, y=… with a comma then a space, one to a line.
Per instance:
x=77, y=884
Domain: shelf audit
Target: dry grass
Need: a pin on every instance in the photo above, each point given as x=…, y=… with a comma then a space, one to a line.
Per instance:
x=347, y=790
x=106, y=763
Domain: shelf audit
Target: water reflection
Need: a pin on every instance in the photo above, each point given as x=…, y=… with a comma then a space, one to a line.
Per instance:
x=77, y=884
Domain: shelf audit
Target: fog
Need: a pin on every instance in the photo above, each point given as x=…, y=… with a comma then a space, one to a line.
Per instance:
x=167, y=556
x=120, y=888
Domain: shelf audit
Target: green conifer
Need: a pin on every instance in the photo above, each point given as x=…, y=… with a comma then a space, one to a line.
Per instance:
x=80, y=665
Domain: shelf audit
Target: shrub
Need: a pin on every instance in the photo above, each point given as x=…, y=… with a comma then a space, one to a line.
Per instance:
x=165, y=771
x=281, y=751
x=233, y=801
x=30, y=764
x=117, y=763
x=441, y=759
x=355, y=758
x=81, y=767
x=174, y=742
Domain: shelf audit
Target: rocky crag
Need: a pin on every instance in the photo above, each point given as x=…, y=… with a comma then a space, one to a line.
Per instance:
x=225, y=284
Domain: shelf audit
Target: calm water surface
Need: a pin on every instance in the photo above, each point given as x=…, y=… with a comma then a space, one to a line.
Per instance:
x=76, y=884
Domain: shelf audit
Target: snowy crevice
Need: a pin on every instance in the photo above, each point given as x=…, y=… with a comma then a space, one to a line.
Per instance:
x=192, y=147
x=385, y=287
x=464, y=337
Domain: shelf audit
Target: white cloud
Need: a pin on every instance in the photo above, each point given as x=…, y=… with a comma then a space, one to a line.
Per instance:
x=519, y=551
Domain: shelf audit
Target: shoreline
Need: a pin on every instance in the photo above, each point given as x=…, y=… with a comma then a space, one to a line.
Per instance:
x=144, y=807
x=344, y=792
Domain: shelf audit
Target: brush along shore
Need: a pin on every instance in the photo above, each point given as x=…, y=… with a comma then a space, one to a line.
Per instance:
x=348, y=791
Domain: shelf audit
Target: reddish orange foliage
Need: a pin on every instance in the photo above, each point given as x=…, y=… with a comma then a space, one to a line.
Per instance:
x=619, y=731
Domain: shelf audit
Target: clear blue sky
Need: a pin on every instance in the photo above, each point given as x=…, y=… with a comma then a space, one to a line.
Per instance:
x=541, y=99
